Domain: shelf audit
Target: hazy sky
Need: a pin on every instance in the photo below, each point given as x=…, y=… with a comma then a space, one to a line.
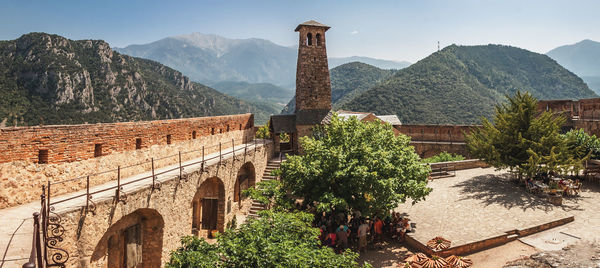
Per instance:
x=397, y=30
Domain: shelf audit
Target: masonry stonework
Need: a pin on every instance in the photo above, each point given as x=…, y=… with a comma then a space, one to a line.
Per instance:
x=21, y=181
x=430, y=140
x=165, y=215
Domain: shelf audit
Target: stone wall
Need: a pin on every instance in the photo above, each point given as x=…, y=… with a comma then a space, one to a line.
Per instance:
x=21, y=181
x=430, y=140
x=68, y=143
x=87, y=235
x=313, y=86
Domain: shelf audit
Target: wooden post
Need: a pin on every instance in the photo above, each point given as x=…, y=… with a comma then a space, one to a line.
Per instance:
x=180, y=168
x=220, y=156
x=87, y=193
x=153, y=177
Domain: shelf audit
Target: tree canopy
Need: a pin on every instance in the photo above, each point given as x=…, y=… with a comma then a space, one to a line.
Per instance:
x=354, y=165
x=276, y=239
x=523, y=139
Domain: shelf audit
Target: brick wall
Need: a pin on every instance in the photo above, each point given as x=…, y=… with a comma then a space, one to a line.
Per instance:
x=430, y=140
x=67, y=143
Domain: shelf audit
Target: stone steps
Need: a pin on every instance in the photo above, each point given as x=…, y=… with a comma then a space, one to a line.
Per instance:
x=272, y=165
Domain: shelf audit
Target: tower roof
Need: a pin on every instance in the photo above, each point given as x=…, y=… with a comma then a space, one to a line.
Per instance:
x=311, y=23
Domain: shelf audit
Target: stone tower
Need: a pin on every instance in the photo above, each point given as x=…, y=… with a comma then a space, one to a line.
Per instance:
x=313, y=87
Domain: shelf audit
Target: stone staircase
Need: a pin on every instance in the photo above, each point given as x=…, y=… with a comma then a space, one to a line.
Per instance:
x=273, y=164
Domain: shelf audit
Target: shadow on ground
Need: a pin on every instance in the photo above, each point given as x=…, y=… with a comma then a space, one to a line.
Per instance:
x=502, y=189
x=390, y=254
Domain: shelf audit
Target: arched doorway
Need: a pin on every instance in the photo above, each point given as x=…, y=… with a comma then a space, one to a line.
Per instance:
x=208, y=208
x=133, y=241
x=246, y=178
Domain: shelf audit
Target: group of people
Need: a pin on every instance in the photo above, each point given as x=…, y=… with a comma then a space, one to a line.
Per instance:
x=339, y=231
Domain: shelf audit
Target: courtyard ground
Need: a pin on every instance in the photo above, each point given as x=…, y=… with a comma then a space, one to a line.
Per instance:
x=481, y=203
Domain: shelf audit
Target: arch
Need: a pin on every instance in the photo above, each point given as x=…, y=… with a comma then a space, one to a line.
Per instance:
x=246, y=178
x=309, y=40
x=135, y=240
x=208, y=208
x=318, y=41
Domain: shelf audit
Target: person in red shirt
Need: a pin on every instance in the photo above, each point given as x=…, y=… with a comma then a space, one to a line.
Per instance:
x=378, y=226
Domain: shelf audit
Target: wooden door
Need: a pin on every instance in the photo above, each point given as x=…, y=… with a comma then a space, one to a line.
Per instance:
x=133, y=246
x=210, y=212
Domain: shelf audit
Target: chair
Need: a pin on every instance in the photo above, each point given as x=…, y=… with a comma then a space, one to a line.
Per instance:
x=576, y=188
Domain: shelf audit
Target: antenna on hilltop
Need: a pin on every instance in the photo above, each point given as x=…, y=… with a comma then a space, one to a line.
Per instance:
x=438, y=46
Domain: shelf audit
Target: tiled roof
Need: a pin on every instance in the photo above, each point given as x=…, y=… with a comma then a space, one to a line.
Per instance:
x=311, y=23
x=390, y=119
x=283, y=123
x=313, y=117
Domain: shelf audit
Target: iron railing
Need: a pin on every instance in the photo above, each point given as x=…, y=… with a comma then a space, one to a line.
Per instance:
x=48, y=231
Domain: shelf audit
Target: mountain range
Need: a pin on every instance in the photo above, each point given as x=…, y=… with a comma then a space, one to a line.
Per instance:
x=48, y=79
x=459, y=84
x=582, y=58
x=210, y=59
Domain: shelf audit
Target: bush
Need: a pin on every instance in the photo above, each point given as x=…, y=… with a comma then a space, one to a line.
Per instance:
x=443, y=157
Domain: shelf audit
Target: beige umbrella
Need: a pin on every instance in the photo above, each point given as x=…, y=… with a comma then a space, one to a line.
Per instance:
x=438, y=243
x=458, y=261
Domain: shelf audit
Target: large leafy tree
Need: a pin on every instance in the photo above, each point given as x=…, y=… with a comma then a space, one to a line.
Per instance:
x=524, y=140
x=354, y=165
x=276, y=239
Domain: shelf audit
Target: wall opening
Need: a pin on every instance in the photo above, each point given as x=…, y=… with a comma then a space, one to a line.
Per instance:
x=212, y=131
x=194, y=134
x=43, y=157
x=169, y=139
x=240, y=126
x=138, y=143
x=246, y=178
x=309, y=39
x=318, y=41
x=97, y=150
x=208, y=208
x=220, y=130
x=227, y=128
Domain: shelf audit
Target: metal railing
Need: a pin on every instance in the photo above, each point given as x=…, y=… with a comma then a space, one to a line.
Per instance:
x=48, y=231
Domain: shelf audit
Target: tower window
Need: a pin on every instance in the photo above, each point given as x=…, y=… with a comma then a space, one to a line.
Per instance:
x=318, y=41
x=309, y=39
x=138, y=143
x=97, y=150
x=194, y=134
x=43, y=157
x=169, y=139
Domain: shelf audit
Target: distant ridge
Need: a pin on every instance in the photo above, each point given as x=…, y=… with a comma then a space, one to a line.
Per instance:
x=48, y=79
x=582, y=58
x=460, y=84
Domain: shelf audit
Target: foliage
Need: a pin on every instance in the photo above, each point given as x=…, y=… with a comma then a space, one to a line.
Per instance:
x=270, y=192
x=275, y=239
x=523, y=140
x=443, y=157
x=264, y=132
x=356, y=165
x=284, y=137
x=48, y=79
x=459, y=84
x=583, y=144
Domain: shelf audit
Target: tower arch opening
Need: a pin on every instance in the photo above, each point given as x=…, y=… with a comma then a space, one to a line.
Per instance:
x=309, y=40
x=208, y=208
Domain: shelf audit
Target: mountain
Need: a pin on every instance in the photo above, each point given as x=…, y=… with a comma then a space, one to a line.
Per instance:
x=583, y=59
x=211, y=59
x=255, y=92
x=48, y=79
x=461, y=83
x=379, y=63
x=348, y=81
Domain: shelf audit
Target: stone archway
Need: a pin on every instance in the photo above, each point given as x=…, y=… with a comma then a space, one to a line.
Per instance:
x=135, y=240
x=246, y=178
x=208, y=208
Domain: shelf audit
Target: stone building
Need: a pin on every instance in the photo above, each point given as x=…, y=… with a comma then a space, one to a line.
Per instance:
x=313, y=87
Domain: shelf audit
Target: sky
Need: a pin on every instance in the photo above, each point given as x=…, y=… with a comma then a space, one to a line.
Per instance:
x=394, y=30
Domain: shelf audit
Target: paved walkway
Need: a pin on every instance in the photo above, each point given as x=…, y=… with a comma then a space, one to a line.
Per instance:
x=16, y=223
x=482, y=203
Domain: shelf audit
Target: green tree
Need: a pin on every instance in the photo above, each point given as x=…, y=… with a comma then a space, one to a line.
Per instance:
x=583, y=144
x=354, y=165
x=523, y=140
x=276, y=239
x=263, y=132
x=270, y=192
x=443, y=157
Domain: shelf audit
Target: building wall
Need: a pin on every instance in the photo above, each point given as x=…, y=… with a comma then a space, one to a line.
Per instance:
x=86, y=235
x=430, y=140
x=21, y=181
x=68, y=143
